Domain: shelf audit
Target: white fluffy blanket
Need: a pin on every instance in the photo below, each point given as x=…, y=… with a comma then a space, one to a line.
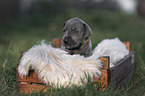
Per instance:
x=56, y=67
x=113, y=48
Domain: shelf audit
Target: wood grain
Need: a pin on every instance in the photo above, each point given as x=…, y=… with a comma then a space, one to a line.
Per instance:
x=105, y=62
x=32, y=77
x=127, y=43
x=57, y=42
x=103, y=79
x=29, y=88
x=122, y=69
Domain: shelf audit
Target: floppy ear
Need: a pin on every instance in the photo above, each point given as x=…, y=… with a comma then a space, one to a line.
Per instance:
x=64, y=28
x=64, y=24
x=87, y=31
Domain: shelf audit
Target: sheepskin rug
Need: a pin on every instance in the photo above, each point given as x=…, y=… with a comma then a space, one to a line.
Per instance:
x=57, y=68
x=113, y=48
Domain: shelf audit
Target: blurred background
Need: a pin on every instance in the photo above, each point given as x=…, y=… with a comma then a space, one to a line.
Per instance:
x=43, y=19
x=24, y=23
x=15, y=8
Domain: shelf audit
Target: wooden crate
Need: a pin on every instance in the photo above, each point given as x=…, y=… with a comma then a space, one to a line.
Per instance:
x=30, y=83
x=115, y=76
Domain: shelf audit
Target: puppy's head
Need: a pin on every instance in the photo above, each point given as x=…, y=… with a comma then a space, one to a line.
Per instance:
x=75, y=31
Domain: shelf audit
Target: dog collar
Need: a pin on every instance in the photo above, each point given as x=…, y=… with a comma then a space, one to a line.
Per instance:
x=86, y=41
x=81, y=44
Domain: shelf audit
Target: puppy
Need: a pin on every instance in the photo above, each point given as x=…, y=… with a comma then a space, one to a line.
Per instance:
x=76, y=37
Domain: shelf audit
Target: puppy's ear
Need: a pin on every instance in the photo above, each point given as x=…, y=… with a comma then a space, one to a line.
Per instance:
x=64, y=24
x=87, y=31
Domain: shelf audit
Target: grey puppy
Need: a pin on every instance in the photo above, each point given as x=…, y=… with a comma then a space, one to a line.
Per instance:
x=76, y=37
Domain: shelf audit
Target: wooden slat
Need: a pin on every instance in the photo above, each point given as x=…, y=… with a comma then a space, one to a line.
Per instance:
x=29, y=88
x=103, y=79
x=127, y=43
x=31, y=78
x=122, y=68
x=102, y=85
x=131, y=55
x=22, y=53
x=109, y=76
x=57, y=42
x=105, y=62
x=125, y=78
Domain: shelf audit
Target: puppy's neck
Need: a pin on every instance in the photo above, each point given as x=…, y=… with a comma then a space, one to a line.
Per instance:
x=82, y=44
x=85, y=49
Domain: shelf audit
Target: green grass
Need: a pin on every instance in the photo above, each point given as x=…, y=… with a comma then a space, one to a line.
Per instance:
x=24, y=32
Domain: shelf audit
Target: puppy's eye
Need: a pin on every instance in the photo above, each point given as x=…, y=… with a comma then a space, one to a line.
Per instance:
x=75, y=29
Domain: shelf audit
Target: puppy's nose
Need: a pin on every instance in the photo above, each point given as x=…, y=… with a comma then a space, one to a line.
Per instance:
x=66, y=39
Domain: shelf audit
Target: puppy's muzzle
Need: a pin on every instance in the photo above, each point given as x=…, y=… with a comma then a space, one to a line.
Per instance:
x=66, y=39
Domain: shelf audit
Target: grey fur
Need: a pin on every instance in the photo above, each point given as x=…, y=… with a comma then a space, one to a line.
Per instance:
x=75, y=33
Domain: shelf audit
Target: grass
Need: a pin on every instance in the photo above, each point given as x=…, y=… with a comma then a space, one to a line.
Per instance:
x=24, y=32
